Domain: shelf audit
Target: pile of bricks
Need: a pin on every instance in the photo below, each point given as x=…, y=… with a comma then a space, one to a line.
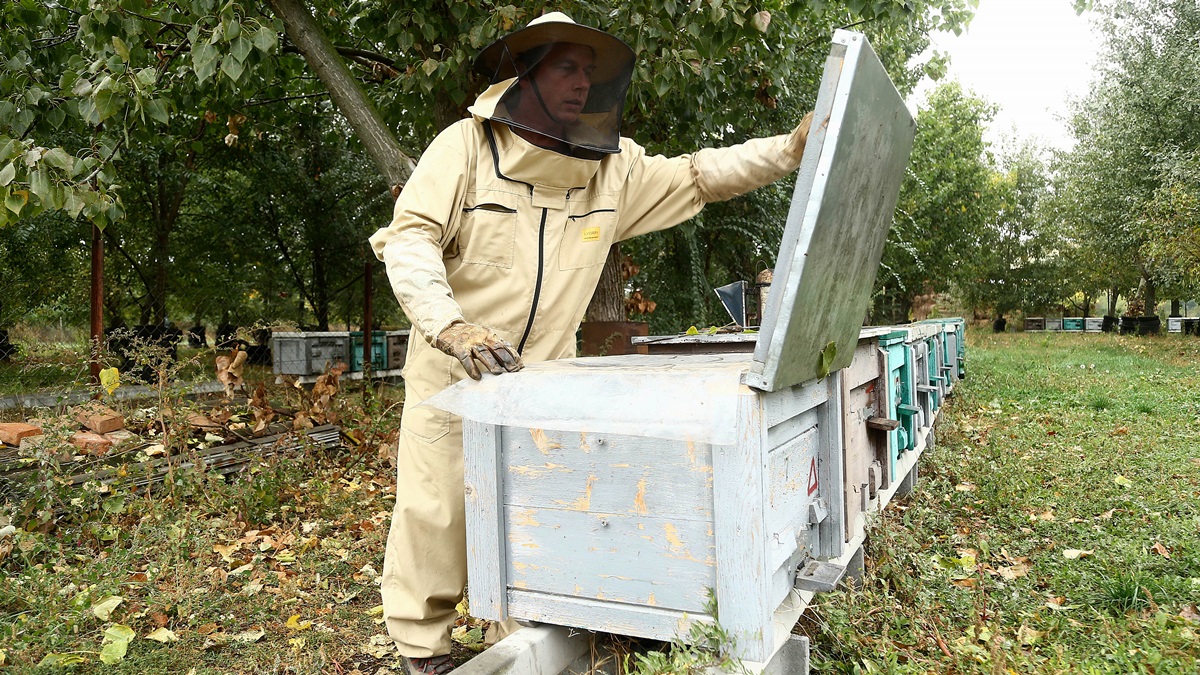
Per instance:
x=102, y=428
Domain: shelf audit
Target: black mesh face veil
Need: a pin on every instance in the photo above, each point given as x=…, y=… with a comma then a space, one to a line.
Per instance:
x=561, y=80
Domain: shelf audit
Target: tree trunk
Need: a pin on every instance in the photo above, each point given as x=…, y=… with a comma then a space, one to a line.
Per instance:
x=1113, y=294
x=608, y=302
x=354, y=105
x=1151, y=298
x=1174, y=308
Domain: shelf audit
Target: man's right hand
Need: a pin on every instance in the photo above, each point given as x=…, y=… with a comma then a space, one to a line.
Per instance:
x=469, y=343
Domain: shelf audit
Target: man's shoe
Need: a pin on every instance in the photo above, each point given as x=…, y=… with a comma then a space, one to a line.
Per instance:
x=434, y=665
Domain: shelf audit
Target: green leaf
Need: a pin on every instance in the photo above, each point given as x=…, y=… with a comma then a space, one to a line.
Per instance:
x=232, y=67
x=204, y=60
x=661, y=86
x=82, y=87
x=233, y=28
x=114, y=652
x=74, y=205
x=16, y=200
x=265, y=39
x=429, y=67
x=104, y=609
x=22, y=121
x=146, y=76
x=39, y=183
x=58, y=660
x=121, y=48
x=56, y=117
x=157, y=109
x=7, y=174
x=241, y=48
x=828, y=354
x=107, y=104
x=10, y=148
x=59, y=159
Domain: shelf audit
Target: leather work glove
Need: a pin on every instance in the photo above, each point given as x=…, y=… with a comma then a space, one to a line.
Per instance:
x=469, y=343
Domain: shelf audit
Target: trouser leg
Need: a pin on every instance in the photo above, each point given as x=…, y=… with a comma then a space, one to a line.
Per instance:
x=425, y=563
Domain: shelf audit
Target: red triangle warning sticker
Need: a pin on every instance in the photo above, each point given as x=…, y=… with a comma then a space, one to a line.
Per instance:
x=812, y=477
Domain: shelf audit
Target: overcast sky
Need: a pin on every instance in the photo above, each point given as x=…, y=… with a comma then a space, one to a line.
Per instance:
x=1028, y=57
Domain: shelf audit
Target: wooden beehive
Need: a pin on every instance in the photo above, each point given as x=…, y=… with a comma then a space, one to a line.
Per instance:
x=623, y=502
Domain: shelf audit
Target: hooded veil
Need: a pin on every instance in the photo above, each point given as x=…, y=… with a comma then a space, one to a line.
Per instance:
x=515, y=56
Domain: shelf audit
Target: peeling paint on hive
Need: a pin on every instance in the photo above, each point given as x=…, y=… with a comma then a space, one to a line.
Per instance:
x=526, y=517
x=544, y=445
x=639, y=500
x=584, y=502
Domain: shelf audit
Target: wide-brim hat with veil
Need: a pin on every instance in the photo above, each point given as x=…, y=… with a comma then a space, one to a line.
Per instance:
x=517, y=54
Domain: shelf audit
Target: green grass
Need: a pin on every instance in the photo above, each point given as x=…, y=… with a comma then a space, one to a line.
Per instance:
x=1054, y=442
x=1088, y=443
x=216, y=560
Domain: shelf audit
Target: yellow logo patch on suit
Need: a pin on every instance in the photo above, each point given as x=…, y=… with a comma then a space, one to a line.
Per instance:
x=591, y=234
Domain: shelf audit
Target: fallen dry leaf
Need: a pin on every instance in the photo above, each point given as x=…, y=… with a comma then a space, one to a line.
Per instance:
x=1075, y=553
x=207, y=629
x=104, y=609
x=264, y=414
x=1122, y=481
x=1013, y=572
x=965, y=487
x=1120, y=431
x=1027, y=636
x=229, y=370
x=1161, y=550
x=1190, y=613
x=253, y=635
x=226, y=551
x=163, y=635
x=968, y=582
x=295, y=623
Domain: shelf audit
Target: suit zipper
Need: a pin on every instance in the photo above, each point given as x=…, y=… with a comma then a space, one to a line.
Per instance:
x=537, y=288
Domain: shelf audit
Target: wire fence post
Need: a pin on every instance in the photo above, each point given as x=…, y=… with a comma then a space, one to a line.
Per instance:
x=97, y=307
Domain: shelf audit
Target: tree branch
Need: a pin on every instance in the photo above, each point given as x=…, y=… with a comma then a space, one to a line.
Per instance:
x=358, y=110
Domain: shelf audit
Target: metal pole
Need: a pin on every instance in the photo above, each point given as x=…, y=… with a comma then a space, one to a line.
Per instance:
x=97, y=308
x=368, y=334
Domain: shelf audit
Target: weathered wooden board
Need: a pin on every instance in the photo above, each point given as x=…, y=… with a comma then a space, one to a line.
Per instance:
x=607, y=473
x=615, y=557
x=486, y=528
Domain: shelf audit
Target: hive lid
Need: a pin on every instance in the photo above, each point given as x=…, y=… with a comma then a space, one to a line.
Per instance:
x=841, y=211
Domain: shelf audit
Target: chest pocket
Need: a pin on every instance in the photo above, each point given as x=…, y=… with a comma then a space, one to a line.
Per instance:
x=488, y=234
x=587, y=238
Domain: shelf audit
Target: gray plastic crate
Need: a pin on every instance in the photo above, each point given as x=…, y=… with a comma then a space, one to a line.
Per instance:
x=397, y=348
x=308, y=353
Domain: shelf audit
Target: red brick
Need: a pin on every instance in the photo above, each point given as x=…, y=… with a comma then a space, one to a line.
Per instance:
x=93, y=444
x=99, y=419
x=11, y=433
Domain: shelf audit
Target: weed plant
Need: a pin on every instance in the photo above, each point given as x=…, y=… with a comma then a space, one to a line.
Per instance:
x=1056, y=527
x=270, y=569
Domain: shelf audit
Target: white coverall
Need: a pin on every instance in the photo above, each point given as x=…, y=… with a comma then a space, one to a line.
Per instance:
x=493, y=230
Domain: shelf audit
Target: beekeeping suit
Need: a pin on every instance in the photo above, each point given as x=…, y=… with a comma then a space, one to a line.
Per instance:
x=494, y=250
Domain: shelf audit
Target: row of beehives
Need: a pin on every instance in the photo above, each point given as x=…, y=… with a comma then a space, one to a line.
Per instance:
x=313, y=353
x=627, y=526
x=1067, y=324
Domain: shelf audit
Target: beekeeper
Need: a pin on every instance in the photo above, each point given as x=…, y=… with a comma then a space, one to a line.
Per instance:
x=494, y=250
